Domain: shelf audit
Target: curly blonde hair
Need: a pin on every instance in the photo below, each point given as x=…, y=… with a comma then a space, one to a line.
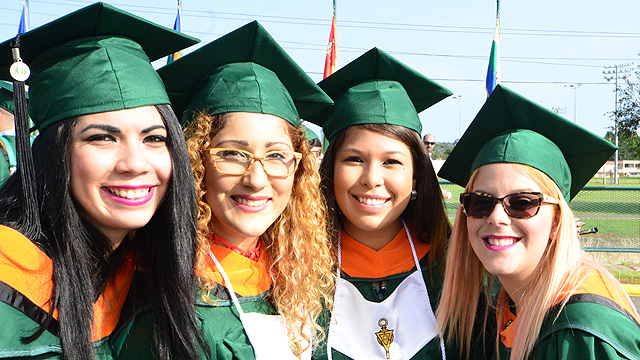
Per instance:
x=300, y=259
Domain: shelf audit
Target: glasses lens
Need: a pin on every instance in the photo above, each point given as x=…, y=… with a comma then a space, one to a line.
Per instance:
x=277, y=163
x=231, y=161
x=477, y=205
x=522, y=205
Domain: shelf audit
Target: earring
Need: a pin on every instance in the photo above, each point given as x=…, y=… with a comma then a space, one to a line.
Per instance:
x=414, y=194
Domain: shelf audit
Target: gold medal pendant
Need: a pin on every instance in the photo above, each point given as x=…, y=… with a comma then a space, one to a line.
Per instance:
x=296, y=349
x=385, y=336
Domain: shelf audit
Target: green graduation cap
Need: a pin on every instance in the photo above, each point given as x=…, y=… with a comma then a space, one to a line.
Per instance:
x=513, y=129
x=6, y=96
x=96, y=59
x=308, y=133
x=243, y=71
x=376, y=88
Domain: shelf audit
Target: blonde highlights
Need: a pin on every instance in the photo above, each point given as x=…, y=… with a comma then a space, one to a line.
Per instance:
x=300, y=259
x=561, y=270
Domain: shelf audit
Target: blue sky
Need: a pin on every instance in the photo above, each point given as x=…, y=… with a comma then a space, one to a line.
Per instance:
x=545, y=44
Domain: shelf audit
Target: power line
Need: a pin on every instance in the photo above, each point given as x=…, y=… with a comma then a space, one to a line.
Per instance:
x=513, y=59
x=369, y=24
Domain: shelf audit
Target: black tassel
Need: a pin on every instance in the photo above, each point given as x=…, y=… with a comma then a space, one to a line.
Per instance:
x=30, y=216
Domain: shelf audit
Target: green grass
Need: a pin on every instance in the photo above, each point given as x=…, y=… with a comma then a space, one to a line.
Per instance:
x=624, y=181
x=627, y=277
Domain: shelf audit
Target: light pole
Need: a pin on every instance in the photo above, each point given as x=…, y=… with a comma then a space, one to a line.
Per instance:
x=610, y=72
x=459, y=98
x=575, y=99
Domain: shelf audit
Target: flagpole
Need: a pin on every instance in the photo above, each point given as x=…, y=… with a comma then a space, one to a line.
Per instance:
x=493, y=70
x=28, y=15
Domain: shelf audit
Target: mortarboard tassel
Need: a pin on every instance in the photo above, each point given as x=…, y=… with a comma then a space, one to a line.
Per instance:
x=30, y=217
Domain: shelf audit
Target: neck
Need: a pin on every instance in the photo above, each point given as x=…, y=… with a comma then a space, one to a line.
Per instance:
x=244, y=243
x=516, y=288
x=374, y=239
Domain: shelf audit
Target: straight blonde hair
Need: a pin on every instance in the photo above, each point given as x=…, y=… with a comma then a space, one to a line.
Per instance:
x=562, y=268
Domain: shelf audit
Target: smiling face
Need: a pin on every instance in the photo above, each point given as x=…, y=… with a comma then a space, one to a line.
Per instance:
x=509, y=248
x=120, y=168
x=244, y=206
x=373, y=178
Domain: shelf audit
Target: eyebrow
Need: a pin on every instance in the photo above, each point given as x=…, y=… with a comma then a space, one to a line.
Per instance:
x=386, y=153
x=509, y=193
x=151, y=128
x=246, y=143
x=108, y=128
x=113, y=129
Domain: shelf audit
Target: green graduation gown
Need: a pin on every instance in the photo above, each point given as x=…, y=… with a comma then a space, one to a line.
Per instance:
x=25, y=288
x=217, y=316
x=591, y=326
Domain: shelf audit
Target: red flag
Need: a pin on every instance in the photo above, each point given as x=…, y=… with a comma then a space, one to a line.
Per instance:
x=330, y=62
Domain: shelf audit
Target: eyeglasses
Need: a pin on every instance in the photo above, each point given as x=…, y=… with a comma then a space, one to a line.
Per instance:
x=239, y=162
x=316, y=152
x=521, y=205
x=429, y=142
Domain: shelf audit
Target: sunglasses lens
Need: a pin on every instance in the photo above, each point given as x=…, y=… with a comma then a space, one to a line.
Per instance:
x=522, y=205
x=476, y=205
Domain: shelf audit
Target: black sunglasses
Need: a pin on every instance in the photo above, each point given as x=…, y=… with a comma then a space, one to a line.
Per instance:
x=521, y=205
x=429, y=143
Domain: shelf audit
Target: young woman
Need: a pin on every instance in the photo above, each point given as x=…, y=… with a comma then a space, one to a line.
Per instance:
x=386, y=210
x=105, y=191
x=315, y=145
x=263, y=258
x=520, y=165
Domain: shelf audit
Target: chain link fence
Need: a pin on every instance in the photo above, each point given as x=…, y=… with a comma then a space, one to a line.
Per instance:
x=613, y=210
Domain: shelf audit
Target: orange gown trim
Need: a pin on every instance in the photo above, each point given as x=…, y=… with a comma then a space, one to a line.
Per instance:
x=594, y=283
x=248, y=278
x=359, y=260
x=29, y=271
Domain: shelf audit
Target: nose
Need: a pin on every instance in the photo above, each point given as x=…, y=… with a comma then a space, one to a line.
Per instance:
x=256, y=177
x=372, y=176
x=132, y=159
x=499, y=216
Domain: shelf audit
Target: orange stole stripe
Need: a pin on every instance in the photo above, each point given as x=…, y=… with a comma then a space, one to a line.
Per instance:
x=106, y=310
x=507, y=335
x=24, y=267
x=248, y=278
x=596, y=283
x=359, y=260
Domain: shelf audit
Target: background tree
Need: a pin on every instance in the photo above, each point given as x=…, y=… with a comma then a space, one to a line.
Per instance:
x=442, y=150
x=629, y=104
x=628, y=143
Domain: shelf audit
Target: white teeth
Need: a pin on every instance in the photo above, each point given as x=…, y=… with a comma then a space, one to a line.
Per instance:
x=370, y=201
x=500, y=242
x=129, y=193
x=251, y=202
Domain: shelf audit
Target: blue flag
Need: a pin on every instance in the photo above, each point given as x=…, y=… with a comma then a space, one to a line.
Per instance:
x=493, y=71
x=22, y=28
x=177, y=25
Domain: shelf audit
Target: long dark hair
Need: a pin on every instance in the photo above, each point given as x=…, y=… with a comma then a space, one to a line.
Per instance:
x=81, y=255
x=426, y=213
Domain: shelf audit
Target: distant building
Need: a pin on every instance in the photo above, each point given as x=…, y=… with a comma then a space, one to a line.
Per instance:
x=626, y=168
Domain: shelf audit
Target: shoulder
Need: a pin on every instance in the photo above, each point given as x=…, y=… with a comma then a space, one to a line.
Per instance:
x=572, y=343
x=24, y=268
x=17, y=325
x=591, y=324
